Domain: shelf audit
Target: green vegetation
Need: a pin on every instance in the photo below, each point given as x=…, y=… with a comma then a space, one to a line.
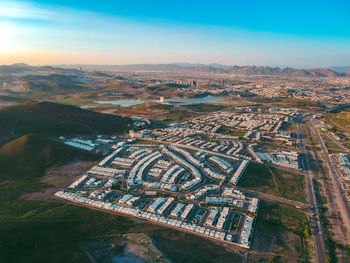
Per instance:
x=282, y=235
x=45, y=230
x=288, y=102
x=267, y=144
x=170, y=90
x=158, y=111
x=54, y=83
x=288, y=126
x=142, y=141
x=205, y=107
x=274, y=181
x=340, y=120
x=314, y=148
x=53, y=119
x=168, y=112
x=29, y=156
x=230, y=131
x=332, y=147
x=234, y=223
x=270, y=144
x=182, y=247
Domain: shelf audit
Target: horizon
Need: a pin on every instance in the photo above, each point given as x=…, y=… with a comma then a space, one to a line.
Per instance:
x=188, y=64
x=56, y=32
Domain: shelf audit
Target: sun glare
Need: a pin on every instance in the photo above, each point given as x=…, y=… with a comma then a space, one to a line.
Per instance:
x=7, y=34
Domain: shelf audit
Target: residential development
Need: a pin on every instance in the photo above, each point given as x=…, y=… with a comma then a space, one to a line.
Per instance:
x=183, y=176
x=196, y=189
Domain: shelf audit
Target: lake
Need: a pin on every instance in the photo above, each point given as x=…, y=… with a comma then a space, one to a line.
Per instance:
x=192, y=101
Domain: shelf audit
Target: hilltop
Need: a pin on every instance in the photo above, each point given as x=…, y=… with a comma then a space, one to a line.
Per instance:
x=51, y=83
x=52, y=119
x=24, y=68
x=30, y=155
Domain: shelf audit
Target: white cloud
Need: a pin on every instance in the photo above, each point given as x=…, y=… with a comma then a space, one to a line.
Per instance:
x=13, y=9
x=60, y=29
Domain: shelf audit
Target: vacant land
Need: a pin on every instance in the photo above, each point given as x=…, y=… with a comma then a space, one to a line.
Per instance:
x=274, y=181
x=30, y=156
x=231, y=131
x=331, y=146
x=131, y=247
x=48, y=231
x=53, y=119
x=282, y=235
x=182, y=247
x=301, y=104
x=340, y=120
x=167, y=112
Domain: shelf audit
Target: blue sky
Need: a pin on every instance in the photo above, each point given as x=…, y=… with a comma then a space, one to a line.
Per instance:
x=286, y=33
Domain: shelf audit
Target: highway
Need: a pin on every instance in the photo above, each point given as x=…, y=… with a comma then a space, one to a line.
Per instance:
x=339, y=195
x=319, y=245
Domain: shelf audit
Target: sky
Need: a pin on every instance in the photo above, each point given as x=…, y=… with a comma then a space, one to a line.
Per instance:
x=298, y=33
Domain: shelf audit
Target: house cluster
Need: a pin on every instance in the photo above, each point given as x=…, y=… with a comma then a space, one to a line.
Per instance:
x=184, y=136
x=283, y=158
x=244, y=121
x=220, y=131
x=97, y=144
x=234, y=197
x=167, y=211
x=344, y=163
x=187, y=179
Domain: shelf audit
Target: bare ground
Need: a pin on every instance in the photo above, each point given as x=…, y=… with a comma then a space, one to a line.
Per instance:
x=59, y=177
x=128, y=248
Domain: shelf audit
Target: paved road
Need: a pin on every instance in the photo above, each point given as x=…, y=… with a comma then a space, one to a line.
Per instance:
x=338, y=193
x=281, y=167
x=315, y=220
x=320, y=248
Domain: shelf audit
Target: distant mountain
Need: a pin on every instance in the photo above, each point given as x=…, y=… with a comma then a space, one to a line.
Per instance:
x=52, y=119
x=344, y=69
x=183, y=67
x=264, y=70
x=51, y=83
x=27, y=69
x=219, y=68
x=175, y=67
x=16, y=68
x=213, y=65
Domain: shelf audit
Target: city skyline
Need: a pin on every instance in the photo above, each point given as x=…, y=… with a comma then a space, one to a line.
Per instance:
x=313, y=34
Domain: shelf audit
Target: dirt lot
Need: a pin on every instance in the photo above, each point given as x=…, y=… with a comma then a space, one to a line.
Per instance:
x=59, y=177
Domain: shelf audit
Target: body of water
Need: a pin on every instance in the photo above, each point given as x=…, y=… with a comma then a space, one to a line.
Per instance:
x=192, y=101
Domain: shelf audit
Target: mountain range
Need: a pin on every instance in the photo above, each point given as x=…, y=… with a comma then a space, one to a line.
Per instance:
x=186, y=67
x=219, y=68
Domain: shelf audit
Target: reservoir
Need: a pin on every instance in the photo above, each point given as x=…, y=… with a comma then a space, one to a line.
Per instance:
x=191, y=101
